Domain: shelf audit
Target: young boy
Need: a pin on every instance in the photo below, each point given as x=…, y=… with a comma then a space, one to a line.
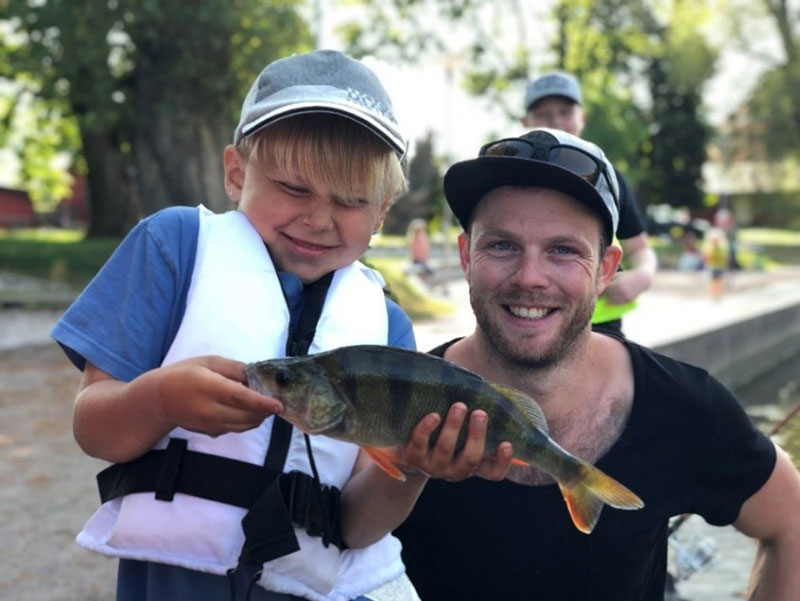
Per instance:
x=209, y=493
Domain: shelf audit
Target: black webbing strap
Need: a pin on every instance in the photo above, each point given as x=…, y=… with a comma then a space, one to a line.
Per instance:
x=220, y=479
x=267, y=527
x=297, y=345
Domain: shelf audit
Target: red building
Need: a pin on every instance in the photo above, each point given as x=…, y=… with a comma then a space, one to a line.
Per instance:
x=16, y=209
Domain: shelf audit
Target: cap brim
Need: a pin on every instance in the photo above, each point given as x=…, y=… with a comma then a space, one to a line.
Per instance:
x=397, y=143
x=467, y=182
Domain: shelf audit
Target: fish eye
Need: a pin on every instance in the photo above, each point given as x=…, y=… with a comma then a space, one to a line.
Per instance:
x=282, y=377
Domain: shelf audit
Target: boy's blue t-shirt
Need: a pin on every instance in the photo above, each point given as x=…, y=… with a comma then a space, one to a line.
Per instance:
x=124, y=323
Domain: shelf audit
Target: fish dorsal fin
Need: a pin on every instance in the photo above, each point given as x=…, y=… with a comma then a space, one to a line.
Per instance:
x=527, y=406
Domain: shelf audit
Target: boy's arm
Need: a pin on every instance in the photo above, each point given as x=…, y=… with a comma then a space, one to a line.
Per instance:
x=374, y=504
x=771, y=516
x=119, y=421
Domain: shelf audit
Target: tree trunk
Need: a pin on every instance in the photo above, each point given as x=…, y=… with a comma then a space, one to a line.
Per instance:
x=179, y=160
x=113, y=205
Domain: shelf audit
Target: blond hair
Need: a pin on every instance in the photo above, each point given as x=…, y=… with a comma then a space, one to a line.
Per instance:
x=331, y=151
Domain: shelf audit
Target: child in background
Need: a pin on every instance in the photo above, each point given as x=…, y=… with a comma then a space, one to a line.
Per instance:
x=716, y=255
x=210, y=493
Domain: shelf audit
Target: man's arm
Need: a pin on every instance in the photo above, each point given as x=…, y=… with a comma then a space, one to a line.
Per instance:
x=627, y=285
x=772, y=515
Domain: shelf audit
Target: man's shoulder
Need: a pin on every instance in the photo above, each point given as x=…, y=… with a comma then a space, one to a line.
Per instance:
x=663, y=375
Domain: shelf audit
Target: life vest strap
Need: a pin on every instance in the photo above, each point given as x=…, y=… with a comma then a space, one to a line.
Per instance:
x=233, y=482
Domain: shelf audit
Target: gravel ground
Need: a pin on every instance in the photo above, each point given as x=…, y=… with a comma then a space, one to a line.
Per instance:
x=46, y=490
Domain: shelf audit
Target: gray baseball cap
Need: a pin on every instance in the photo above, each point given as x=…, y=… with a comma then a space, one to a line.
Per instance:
x=556, y=83
x=323, y=81
x=543, y=157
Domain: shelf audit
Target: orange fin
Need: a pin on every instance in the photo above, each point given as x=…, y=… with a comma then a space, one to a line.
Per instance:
x=593, y=489
x=387, y=459
x=519, y=462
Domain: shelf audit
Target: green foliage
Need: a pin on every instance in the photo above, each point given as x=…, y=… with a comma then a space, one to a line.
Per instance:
x=105, y=72
x=641, y=63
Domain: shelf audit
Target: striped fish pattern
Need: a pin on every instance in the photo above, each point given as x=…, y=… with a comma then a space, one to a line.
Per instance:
x=374, y=396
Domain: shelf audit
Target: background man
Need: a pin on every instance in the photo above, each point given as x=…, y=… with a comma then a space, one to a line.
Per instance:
x=538, y=214
x=554, y=100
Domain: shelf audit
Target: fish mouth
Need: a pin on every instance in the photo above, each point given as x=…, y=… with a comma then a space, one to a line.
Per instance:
x=524, y=312
x=253, y=381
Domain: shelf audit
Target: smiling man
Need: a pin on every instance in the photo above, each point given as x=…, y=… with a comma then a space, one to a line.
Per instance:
x=538, y=213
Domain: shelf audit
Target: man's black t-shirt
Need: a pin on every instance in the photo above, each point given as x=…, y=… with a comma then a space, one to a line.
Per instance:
x=631, y=222
x=688, y=447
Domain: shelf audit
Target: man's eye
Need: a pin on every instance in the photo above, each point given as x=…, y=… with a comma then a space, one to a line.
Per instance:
x=501, y=245
x=564, y=250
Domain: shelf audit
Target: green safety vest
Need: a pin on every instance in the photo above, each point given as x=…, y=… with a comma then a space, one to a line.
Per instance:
x=604, y=311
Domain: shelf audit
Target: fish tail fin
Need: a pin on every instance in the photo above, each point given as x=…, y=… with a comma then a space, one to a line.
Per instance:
x=586, y=495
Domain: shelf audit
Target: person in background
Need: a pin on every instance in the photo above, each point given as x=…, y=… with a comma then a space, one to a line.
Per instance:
x=690, y=259
x=211, y=495
x=419, y=246
x=715, y=248
x=538, y=214
x=554, y=100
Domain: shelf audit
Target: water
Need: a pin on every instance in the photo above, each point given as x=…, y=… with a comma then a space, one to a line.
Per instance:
x=769, y=400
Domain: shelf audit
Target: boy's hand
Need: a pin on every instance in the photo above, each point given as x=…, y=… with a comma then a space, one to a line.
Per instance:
x=209, y=395
x=441, y=461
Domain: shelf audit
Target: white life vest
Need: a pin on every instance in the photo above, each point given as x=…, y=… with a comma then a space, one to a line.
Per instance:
x=235, y=308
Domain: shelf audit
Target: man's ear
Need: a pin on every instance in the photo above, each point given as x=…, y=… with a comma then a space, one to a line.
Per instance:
x=463, y=252
x=608, y=266
x=234, y=165
x=526, y=120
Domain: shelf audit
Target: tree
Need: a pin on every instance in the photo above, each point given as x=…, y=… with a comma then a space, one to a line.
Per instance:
x=641, y=82
x=768, y=125
x=424, y=196
x=154, y=86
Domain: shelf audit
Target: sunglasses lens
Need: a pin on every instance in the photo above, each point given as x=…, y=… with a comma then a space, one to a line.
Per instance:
x=576, y=161
x=509, y=148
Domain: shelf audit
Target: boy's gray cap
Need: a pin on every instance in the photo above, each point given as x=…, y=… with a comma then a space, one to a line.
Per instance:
x=467, y=182
x=557, y=83
x=323, y=81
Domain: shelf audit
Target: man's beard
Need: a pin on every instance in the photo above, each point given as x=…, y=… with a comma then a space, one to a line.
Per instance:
x=514, y=351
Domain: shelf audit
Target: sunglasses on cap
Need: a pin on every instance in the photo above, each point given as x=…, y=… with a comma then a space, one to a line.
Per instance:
x=571, y=158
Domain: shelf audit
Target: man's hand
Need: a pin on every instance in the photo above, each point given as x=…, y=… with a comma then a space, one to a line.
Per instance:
x=441, y=461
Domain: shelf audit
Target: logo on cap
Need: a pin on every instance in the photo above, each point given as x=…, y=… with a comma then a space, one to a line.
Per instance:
x=369, y=103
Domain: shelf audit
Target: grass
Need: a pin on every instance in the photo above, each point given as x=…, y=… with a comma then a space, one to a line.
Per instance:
x=62, y=256
x=417, y=304
x=65, y=257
